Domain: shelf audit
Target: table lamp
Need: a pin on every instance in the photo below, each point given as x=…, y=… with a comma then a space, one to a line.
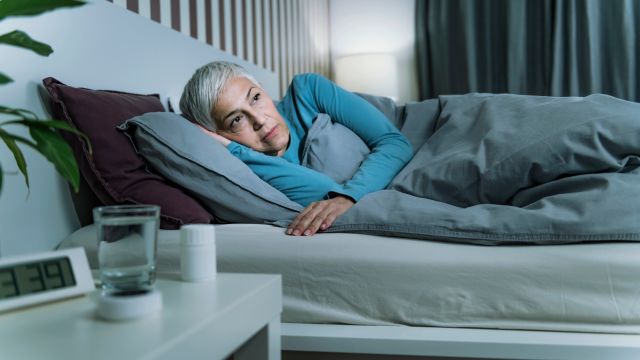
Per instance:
x=375, y=74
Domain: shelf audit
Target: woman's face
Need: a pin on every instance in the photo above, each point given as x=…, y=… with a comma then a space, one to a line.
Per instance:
x=245, y=114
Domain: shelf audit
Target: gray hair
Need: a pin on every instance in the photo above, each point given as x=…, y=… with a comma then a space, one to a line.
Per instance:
x=201, y=92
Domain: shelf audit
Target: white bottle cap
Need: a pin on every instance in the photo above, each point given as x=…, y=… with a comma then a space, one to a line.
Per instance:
x=198, y=252
x=197, y=235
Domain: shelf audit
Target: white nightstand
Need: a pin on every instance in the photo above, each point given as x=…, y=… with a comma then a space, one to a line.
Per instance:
x=235, y=314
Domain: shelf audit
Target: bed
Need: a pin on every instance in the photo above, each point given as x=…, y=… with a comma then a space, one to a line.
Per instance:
x=352, y=293
x=530, y=302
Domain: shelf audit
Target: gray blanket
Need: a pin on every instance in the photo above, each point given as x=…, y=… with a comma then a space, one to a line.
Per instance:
x=494, y=169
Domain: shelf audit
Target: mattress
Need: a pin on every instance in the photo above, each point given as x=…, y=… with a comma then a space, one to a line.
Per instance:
x=374, y=280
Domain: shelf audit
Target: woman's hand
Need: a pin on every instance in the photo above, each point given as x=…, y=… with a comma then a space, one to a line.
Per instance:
x=319, y=215
x=221, y=139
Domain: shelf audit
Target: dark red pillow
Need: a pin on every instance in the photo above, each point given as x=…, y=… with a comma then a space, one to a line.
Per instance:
x=114, y=172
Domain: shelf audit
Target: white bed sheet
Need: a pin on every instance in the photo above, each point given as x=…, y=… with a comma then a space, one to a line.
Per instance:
x=375, y=280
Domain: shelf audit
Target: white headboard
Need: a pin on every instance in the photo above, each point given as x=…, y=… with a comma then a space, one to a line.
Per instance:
x=99, y=46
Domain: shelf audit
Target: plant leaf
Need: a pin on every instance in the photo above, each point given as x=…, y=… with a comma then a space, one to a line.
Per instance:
x=23, y=113
x=21, y=39
x=20, y=139
x=17, y=153
x=56, y=124
x=51, y=145
x=4, y=79
x=32, y=7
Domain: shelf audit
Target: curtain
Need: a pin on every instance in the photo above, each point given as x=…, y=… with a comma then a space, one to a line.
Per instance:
x=536, y=47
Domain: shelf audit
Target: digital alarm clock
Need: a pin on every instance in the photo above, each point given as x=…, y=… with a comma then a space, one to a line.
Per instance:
x=32, y=279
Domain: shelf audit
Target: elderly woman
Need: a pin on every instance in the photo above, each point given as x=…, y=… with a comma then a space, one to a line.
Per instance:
x=231, y=106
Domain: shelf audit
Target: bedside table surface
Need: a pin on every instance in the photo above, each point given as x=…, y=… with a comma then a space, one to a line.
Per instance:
x=198, y=320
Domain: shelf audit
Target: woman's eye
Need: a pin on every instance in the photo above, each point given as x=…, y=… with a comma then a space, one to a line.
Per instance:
x=256, y=97
x=234, y=122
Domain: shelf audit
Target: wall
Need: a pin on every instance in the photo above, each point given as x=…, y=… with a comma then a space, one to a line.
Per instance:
x=285, y=36
x=89, y=51
x=374, y=26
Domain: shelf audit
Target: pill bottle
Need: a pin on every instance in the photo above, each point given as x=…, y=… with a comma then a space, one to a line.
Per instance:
x=198, y=252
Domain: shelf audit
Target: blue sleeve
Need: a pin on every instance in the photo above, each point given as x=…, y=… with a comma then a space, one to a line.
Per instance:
x=298, y=183
x=390, y=150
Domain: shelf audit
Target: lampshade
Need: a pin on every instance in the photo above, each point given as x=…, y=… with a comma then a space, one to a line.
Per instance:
x=375, y=74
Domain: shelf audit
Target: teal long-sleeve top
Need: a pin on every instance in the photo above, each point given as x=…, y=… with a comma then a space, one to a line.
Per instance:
x=307, y=96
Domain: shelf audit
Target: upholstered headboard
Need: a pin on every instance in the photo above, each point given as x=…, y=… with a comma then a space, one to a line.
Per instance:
x=98, y=46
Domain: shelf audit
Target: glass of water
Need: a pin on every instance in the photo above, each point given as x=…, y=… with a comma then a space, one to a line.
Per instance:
x=127, y=243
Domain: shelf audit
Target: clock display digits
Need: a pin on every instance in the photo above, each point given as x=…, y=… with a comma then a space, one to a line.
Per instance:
x=58, y=274
x=36, y=276
x=34, y=281
x=8, y=283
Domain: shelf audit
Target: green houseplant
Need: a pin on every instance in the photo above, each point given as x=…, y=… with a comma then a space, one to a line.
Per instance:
x=45, y=138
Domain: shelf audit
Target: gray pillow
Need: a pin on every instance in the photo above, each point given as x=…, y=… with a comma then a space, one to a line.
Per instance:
x=333, y=149
x=225, y=186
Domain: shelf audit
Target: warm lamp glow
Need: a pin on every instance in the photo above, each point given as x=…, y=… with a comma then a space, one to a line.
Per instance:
x=375, y=74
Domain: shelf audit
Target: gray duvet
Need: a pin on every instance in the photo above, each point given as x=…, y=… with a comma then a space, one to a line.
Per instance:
x=494, y=169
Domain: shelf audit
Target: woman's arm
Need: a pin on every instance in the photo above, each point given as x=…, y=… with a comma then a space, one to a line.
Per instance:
x=302, y=185
x=390, y=150
x=298, y=183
